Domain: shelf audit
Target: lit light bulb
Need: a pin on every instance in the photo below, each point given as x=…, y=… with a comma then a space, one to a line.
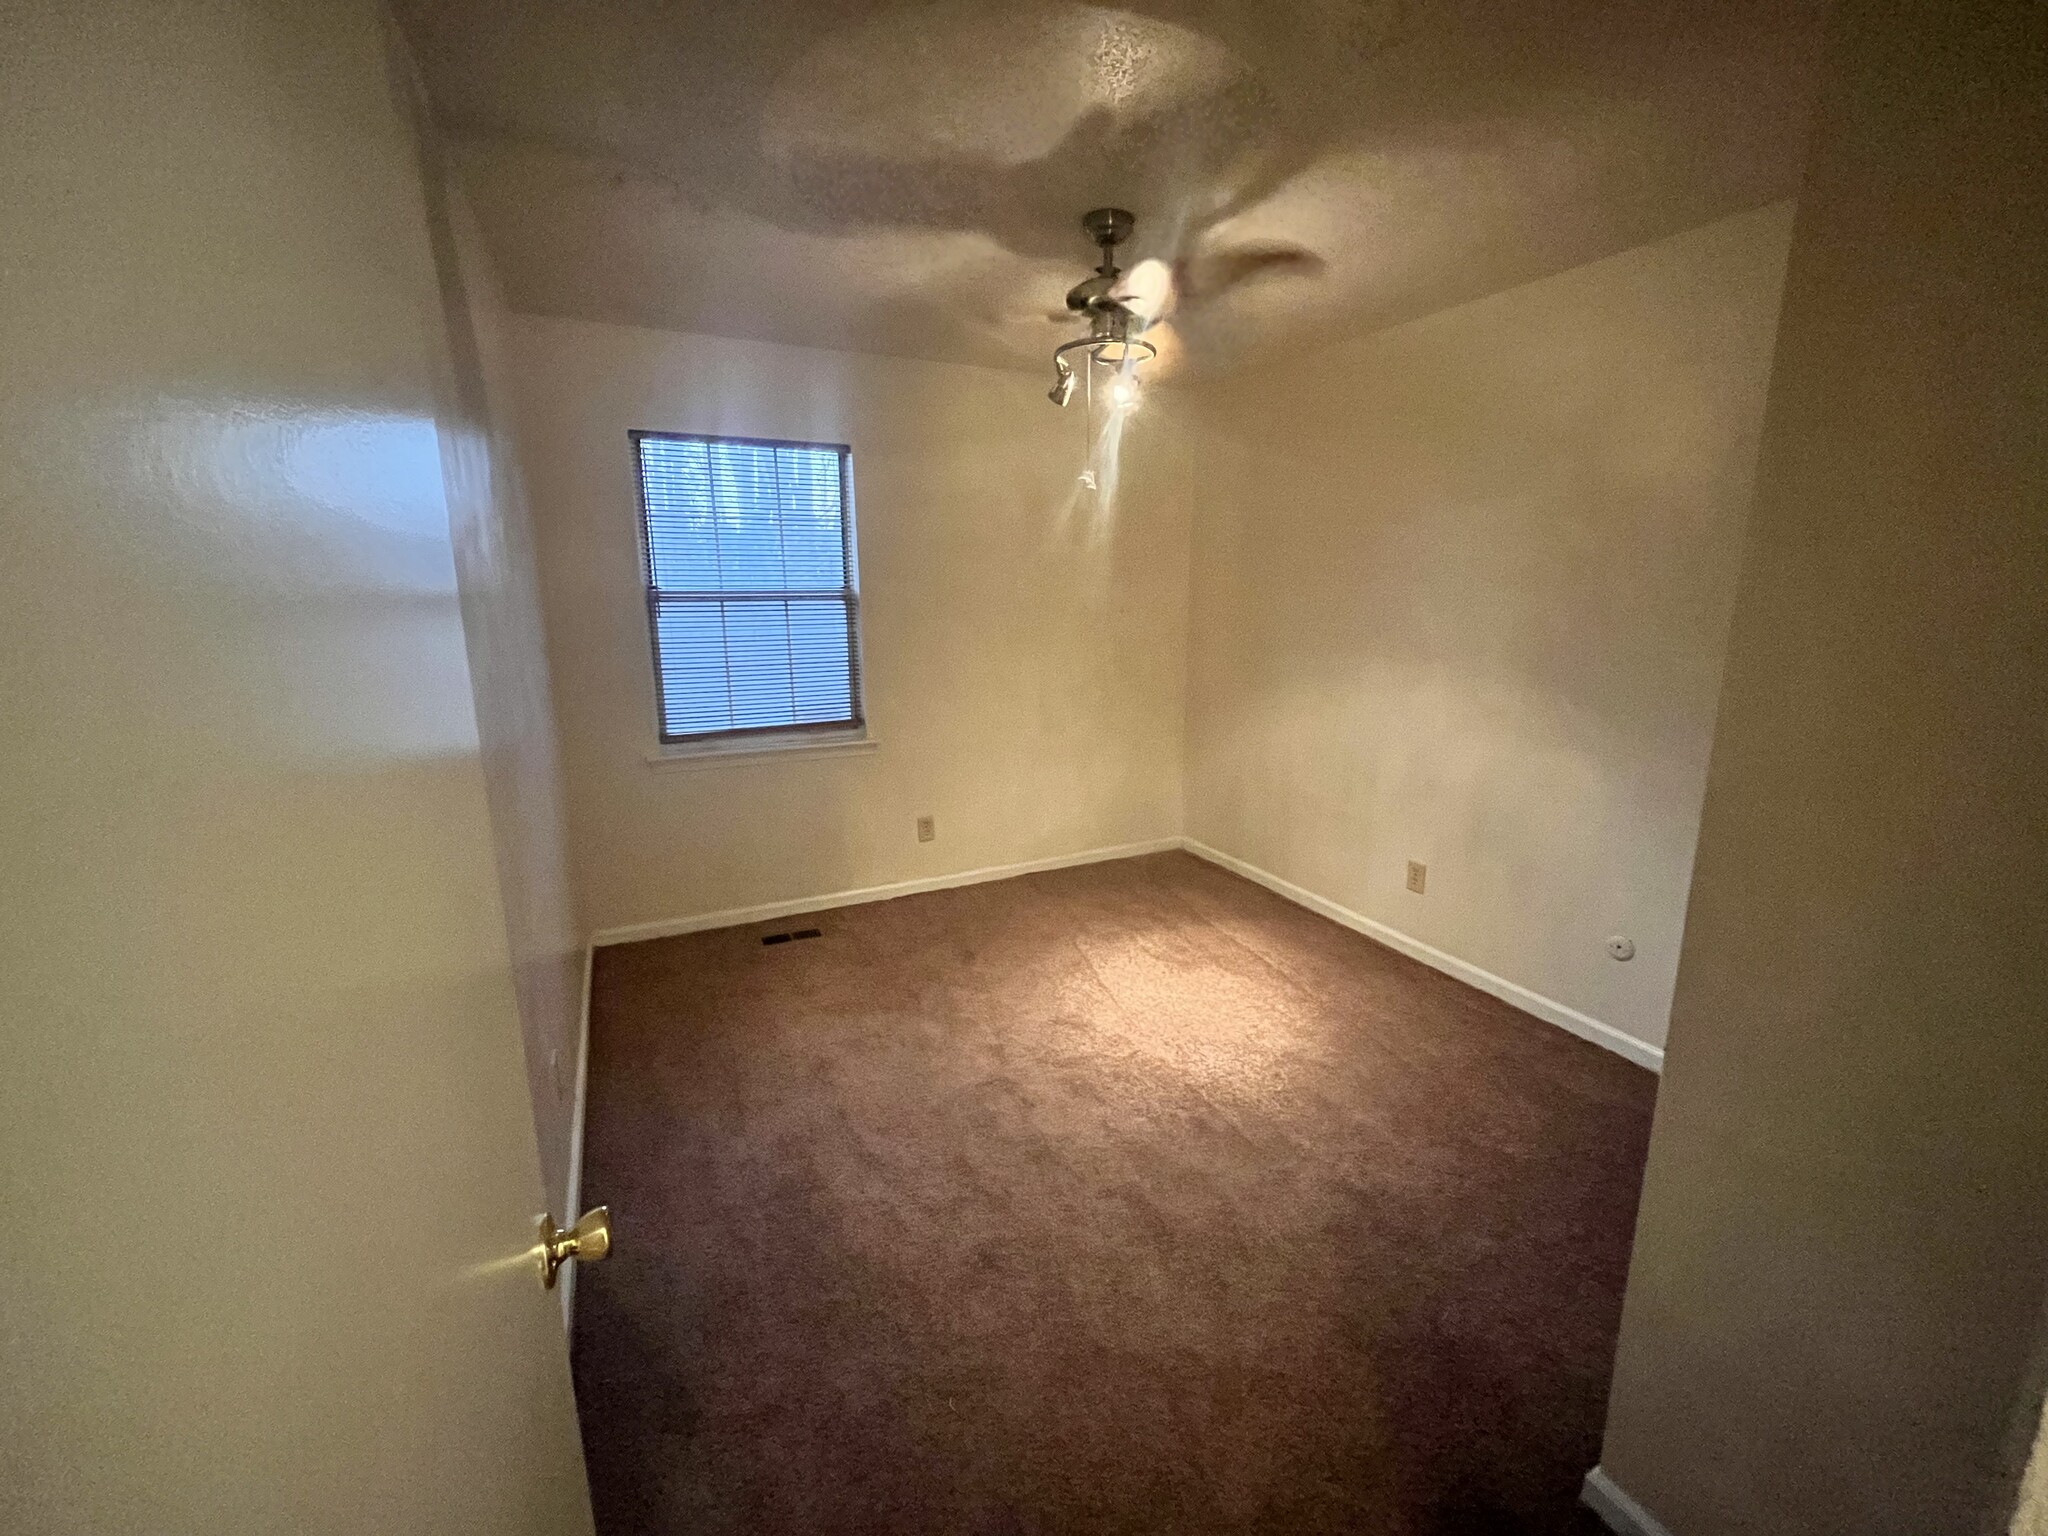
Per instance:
x=1123, y=394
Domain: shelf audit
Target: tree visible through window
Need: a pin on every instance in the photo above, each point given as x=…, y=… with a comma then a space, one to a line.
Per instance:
x=751, y=594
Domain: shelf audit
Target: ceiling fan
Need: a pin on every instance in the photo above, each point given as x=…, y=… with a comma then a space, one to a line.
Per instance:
x=1117, y=308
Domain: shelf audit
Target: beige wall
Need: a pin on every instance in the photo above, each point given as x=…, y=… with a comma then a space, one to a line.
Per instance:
x=499, y=586
x=1023, y=655
x=2030, y=1517
x=1461, y=591
x=1833, y=1313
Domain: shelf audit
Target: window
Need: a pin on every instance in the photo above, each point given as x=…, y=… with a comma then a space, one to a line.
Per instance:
x=751, y=596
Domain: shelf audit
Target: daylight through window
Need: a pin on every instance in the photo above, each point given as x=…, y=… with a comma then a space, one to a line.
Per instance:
x=752, y=599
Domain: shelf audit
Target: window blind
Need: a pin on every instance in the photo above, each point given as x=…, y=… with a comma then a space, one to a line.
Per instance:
x=751, y=595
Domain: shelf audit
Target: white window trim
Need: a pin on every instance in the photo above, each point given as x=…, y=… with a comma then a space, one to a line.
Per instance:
x=767, y=746
x=719, y=750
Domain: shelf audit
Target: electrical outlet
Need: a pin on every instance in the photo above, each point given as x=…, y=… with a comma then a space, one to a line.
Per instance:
x=1418, y=875
x=926, y=829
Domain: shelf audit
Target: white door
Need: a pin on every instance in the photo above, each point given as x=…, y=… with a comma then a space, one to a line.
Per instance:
x=267, y=1157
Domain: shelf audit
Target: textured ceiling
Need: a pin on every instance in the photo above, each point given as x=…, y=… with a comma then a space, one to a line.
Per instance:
x=908, y=179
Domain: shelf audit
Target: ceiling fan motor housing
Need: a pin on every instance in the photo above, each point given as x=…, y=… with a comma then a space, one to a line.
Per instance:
x=1108, y=228
x=1111, y=323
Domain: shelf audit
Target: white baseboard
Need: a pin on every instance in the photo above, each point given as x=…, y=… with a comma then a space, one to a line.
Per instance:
x=1548, y=1009
x=1622, y=1514
x=573, y=1200
x=1585, y=1026
x=733, y=917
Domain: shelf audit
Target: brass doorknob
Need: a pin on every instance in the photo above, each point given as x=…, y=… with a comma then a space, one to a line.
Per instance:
x=590, y=1238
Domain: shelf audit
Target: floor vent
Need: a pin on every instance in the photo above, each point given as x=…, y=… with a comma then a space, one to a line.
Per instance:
x=801, y=933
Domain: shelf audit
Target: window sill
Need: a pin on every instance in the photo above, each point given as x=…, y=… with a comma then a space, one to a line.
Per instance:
x=760, y=749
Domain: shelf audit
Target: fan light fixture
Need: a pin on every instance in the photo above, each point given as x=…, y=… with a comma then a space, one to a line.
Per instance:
x=1113, y=338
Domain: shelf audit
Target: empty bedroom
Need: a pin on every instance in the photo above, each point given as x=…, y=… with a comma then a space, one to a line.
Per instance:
x=958, y=767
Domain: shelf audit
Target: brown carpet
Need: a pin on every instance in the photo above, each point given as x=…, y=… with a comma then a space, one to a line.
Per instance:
x=1126, y=1198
